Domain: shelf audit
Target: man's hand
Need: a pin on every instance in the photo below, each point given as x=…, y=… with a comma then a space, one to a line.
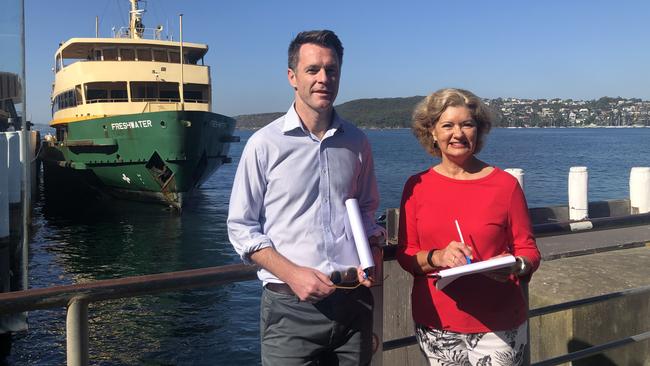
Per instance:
x=366, y=280
x=378, y=257
x=309, y=284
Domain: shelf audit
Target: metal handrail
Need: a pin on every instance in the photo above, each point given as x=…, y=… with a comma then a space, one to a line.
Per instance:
x=44, y=298
x=77, y=297
x=106, y=100
x=586, y=301
x=593, y=350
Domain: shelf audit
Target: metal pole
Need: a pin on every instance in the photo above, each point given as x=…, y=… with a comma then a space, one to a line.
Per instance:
x=76, y=325
x=96, y=26
x=182, y=89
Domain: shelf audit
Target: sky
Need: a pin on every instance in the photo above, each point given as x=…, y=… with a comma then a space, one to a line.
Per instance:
x=524, y=49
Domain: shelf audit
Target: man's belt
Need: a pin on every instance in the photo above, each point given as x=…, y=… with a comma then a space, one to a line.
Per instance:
x=281, y=288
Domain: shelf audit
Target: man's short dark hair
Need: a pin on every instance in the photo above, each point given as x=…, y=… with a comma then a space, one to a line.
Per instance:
x=324, y=38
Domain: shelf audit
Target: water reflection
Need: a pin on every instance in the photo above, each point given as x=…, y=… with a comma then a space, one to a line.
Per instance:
x=96, y=240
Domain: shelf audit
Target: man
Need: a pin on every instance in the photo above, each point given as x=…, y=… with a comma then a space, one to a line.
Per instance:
x=287, y=215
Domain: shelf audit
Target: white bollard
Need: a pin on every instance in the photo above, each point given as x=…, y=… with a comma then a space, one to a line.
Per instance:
x=4, y=188
x=578, y=187
x=517, y=173
x=639, y=190
x=14, y=172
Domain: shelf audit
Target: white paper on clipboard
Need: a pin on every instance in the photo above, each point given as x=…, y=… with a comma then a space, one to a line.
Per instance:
x=446, y=276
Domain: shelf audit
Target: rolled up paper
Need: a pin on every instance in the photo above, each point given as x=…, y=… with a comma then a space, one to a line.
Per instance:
x=359, y=234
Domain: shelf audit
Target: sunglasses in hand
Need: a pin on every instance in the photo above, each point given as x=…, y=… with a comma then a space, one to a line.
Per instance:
x=347, y=280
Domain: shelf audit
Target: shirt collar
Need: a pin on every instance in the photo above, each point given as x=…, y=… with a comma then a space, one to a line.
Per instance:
x=292, y=122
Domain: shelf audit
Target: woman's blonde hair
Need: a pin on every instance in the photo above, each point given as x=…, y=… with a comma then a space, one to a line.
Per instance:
x=429, y=110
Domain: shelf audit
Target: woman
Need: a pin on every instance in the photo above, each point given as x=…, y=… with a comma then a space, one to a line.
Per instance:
x=479, y=319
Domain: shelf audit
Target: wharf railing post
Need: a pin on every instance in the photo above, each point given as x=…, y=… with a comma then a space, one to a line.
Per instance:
x=378, y=309
x=518, y=174
x=578, y=187
x=76, y=325
x=526, y=358
x=639, y=190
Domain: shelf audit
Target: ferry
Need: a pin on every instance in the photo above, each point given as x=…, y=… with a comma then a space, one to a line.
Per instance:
x=133, y=118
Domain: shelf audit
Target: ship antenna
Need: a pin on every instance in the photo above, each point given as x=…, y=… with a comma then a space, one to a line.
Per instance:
x=136, y=28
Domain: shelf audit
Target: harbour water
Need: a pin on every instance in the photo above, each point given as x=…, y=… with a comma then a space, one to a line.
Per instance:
x=219, y=326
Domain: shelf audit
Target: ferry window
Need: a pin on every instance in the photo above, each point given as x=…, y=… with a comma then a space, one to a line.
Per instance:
x=64, y=100
x=98, y=55
x=127, y=54
x=110, y=54
x=190, y=58
x=57, y=63
x=96, y=95
x=197, y=93
x=102, y=92
x=174, y=57
x=65, y=103
x=77, y=94
x=169, y=92
x=119, y=95
x=144, y=54
x=142, y=91
x=69, y=59
x=160, y=55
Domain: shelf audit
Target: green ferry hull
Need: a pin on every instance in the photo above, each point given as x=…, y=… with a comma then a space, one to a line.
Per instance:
x=155, y=157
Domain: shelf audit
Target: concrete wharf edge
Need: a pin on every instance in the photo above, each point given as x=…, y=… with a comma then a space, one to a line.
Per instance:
x=574, y=266
x=595, y=263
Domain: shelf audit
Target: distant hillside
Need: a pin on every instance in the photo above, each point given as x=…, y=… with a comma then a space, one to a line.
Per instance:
x=508, y=112
x=254, y=121
x=379, y=112
x=368, y=113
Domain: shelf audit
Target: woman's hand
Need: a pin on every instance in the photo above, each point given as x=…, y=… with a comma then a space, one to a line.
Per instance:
x=504, y=274
x=454, y=255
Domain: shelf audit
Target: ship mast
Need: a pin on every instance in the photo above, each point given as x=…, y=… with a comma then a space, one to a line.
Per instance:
x=136, y=28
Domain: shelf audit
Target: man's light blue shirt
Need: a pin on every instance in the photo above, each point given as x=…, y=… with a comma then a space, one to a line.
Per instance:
x=290, y=190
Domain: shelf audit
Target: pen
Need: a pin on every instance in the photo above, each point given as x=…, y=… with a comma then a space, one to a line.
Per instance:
x=462, y=240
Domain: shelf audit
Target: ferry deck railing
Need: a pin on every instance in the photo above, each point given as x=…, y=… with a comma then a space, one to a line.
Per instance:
x=77, y=297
